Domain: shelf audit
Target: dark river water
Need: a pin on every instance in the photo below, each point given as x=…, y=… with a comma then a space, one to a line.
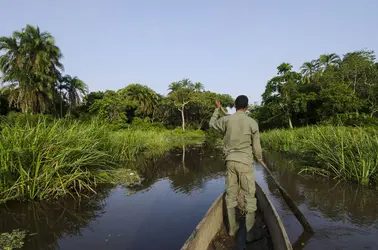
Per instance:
x=177, y=192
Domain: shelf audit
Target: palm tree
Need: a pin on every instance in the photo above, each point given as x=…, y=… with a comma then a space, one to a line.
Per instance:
x=308, y=70
x=61, y=87
x=283, y=68
x=174, y=86
x=12, y=58
x=31, y=67
x=75, y=90
x=326, y=60
x=145, y=97
x=198, y=87
x=186, y=83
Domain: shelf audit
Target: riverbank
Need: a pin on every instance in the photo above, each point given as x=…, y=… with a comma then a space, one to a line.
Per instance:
x=48, y=159
x=343, y=152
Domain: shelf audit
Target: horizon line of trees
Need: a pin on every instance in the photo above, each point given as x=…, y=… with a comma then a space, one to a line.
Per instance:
x=328, y=90
x=33, y=82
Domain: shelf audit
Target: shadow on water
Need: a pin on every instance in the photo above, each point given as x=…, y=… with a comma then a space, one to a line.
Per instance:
x=343, y=215
x=176, y=192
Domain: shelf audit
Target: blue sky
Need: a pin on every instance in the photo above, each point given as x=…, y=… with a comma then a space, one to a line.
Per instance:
x=230, y=46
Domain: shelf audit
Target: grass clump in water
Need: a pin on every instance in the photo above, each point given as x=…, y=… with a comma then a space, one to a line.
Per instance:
x=48, y=159
x=344, y=152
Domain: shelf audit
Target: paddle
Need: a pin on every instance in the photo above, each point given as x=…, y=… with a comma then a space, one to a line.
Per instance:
x=298, y=214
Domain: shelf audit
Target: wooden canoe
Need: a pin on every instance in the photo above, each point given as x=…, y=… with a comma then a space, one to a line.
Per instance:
x=214, y=220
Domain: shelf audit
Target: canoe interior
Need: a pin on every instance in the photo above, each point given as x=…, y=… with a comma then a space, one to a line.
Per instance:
x=214, y=223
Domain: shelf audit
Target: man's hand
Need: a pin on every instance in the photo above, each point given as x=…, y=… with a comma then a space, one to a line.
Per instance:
x=262, y=163
x=218, y=104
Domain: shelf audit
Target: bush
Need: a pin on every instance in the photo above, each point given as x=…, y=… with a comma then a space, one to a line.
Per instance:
x=146, y=124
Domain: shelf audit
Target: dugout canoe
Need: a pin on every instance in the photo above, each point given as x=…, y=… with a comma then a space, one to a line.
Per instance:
x=215, y=219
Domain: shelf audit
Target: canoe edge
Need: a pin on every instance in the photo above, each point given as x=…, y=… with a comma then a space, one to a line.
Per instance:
x=215, y=205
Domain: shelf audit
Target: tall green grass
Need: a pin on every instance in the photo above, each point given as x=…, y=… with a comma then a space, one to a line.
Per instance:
x=48, y=159
x=343, y=152
x=125, y=145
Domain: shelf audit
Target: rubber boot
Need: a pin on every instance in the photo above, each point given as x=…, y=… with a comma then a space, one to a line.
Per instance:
x=249, y=222
x=233, y=225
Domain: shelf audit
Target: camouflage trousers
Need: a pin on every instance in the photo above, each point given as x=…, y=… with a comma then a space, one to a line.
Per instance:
x=240, y=176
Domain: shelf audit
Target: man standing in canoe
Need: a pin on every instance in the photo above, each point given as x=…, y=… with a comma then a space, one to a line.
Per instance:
x=241, y=140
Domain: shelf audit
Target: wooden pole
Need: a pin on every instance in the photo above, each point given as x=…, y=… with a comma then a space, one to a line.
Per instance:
x=298, y=214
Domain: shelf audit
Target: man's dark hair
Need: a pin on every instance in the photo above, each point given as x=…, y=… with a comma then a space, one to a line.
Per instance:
x=241, y=102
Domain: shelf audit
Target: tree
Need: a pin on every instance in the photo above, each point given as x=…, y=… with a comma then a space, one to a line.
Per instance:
x=337, y=98
x=308, y=70
x=336, y=88
x=181, y=94
x=110, y=108
x=75, y=90
x=281, y=92
x=284, y=68
x=360, y=73
x=198, y=87
x=327, y=60
x=31, y=68
x=145, y=98
x=90, y=98
x=202, y=106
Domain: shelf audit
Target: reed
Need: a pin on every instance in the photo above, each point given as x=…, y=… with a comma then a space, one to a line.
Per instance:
x=48, y=159
x=342, y=152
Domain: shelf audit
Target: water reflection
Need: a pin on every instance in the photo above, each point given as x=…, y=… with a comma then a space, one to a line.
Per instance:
x=176, y=192
x=336, y=200
x=188, y=169
x=48, y=222
x=338, y=211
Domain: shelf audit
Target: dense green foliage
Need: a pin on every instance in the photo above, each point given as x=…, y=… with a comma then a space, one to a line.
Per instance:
x=344, y=152
x=330, y=90
x=32, y=71
x=336, y=94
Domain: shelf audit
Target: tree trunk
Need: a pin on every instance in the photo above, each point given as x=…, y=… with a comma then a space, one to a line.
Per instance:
x=290, y=123
x=373, y=112
x=183, y=155
x=183, y=118
x=61, y=105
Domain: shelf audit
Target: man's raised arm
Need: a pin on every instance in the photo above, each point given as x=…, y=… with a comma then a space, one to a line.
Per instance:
x=215, y=123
